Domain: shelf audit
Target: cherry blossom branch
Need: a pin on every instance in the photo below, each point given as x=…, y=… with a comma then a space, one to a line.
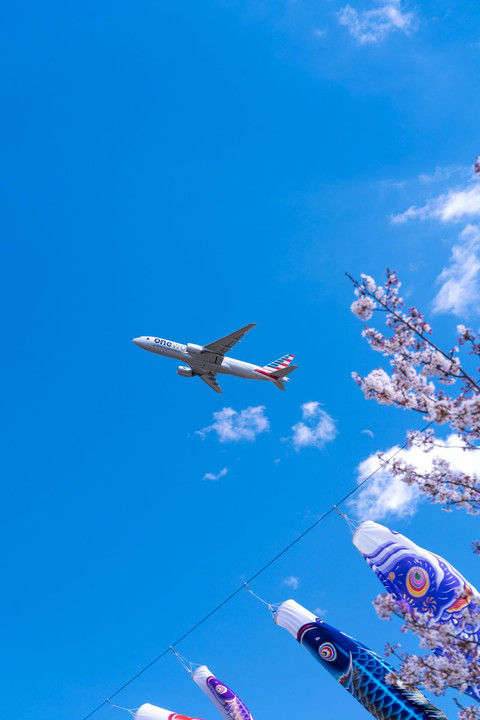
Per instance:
x=456, y=659
x=363, y=288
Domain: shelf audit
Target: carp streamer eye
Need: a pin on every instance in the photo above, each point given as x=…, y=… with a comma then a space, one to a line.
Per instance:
x=417, y=582
x=327, y=652
x=221, y=689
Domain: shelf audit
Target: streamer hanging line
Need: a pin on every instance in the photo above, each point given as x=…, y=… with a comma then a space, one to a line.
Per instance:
x=351, y=524
x=271, y=606
x=187, y=665
x=259, y=572
x=119, y=707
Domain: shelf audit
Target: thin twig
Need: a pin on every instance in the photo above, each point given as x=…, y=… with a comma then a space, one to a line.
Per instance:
x=367, y=292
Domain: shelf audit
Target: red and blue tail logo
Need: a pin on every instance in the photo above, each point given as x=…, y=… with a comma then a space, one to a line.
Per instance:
x=274, y=367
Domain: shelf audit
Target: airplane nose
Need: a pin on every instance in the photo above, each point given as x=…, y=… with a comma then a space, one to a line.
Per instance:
x=137, y=341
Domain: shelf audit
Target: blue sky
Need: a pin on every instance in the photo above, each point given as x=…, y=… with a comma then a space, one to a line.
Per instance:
x=182, y=169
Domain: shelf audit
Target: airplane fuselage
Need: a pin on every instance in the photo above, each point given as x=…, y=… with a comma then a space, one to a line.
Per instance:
x=206, y=361
x=191, y=355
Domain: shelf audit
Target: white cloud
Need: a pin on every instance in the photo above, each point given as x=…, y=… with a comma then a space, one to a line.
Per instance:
x=292, y=582
x=215, y=476
x=372, y=26
x=452, y=206
x=384, y=495
x=232, y=426
x=316, y=428
x=460, y=282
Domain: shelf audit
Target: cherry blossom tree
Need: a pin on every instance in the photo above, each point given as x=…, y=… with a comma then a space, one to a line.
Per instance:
x=420, y=377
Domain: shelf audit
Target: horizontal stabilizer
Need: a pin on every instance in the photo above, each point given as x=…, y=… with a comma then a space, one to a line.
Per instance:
x=279, y=384
x=285, y=371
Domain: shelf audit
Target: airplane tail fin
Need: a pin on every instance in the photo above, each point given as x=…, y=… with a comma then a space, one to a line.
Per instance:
x=276, y=367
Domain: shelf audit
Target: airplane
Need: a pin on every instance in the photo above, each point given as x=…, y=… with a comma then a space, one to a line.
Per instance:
x=206, y=361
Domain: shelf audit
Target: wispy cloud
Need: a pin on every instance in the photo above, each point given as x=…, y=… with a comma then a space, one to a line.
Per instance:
x=386, y=496
x=215, y=476
x=372, y=26
x=443, y=173
x=460, y=282
x=452, y=206
x=232, y=426
x=315, y=429
x=291, y=581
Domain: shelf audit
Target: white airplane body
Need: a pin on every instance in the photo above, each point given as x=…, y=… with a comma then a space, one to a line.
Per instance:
x=208, y=360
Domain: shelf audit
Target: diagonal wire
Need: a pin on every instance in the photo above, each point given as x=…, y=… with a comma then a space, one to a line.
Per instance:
x=251, y=579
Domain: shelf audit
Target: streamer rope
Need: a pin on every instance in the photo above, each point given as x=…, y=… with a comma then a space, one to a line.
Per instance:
x=272, y=607
x=244, y=585
x=186, y=664
x=351, y=524
x=119, y=707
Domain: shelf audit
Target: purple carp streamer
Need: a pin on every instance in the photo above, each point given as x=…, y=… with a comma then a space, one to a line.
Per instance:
x=361, y=671
x=426, y=581
x=225, y=700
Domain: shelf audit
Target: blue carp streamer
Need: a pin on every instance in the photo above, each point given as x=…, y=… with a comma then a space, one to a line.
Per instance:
x=361, y=671
x=424, y=580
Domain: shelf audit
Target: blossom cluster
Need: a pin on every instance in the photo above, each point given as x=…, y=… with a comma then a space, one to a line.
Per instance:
x=454, y=657
x=417, y=365
x=469, y=713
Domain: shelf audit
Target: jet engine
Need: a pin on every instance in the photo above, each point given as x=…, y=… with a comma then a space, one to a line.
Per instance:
x=194, y=349
x=184, y=371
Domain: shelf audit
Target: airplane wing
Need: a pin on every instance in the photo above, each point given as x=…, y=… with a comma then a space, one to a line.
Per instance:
x=222, y=346
x=211, y=380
